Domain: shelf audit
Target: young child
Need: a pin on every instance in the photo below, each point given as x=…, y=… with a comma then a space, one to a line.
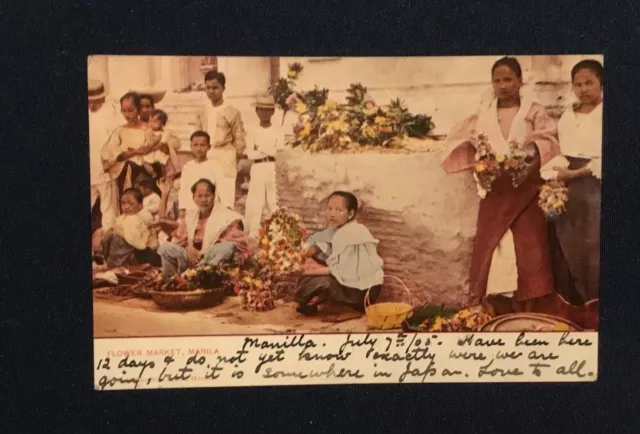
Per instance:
x=131, y=242
x=151, y=199
x=199, y=168
x=162, y=141
x=262, y=145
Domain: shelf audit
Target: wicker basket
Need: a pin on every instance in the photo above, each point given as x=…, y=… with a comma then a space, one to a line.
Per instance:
x=527, y=322
x=388, y=315
x=185, y=300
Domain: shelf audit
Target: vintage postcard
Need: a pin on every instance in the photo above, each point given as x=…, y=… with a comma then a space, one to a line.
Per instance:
x=266, y=221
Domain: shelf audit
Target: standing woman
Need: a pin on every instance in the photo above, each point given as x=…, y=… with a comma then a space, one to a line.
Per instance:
x=511, y=257
x=122, y=153
x=580, y=133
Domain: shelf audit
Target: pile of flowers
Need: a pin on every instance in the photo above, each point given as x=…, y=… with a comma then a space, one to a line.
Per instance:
x=553, y=198
x=463, y=321
x=323, y=124
x=198, y=277
x=490, y=165
x=281, y=251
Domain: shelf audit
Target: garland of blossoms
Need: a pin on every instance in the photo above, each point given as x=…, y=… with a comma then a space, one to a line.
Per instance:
x=489, y=166
x=281, y=251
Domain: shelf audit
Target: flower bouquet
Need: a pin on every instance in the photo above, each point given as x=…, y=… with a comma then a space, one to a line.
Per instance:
x=281, y=252
x=487, y=167
x=515, y=164
x=490, y=165
x=553, y=198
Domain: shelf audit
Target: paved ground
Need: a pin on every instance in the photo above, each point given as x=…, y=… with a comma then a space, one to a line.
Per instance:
x=134, y=317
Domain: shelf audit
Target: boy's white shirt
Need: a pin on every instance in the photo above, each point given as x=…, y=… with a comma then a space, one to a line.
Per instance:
x=264, y=142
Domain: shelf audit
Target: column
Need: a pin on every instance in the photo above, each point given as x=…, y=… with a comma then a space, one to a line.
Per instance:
x=245, y=75
x=98, y=69
x=129, y=72
x=165, y=79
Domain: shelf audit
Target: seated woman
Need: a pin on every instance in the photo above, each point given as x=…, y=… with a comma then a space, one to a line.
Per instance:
x=131, y=242
x=214, y=233
x=349, y=264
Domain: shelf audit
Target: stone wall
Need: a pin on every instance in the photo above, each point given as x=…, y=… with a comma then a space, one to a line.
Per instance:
x=424, y=218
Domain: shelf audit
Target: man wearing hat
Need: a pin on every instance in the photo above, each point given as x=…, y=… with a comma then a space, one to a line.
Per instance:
x=102, y=121
x=263, y=141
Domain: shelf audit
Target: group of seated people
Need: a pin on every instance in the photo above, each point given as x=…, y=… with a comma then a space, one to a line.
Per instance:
x=343, y=263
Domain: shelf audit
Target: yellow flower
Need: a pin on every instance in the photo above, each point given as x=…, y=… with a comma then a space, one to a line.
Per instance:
x=480, y=167
x=464, y=313
x=370, y=132
x=257, y=283
x=301, y=107
x=438, y=323
x=190, y=272
x=558, y=204
x=306, y=130
x=380, y=120
x=338, y=126
x=355, y=122
x=207, y=268
x=500, y=158
x=331, y=105
x=292, y=74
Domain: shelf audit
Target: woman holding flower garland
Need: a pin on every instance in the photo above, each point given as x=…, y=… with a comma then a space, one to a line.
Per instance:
x=511, y=228
x=580, y=133
x=344, y=260
x=214, y=233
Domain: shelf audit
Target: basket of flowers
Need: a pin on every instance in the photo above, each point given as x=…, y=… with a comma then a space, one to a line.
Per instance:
x=197, y=288
x=388, y=315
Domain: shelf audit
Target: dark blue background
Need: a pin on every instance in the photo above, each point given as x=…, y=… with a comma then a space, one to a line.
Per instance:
x=45, y=325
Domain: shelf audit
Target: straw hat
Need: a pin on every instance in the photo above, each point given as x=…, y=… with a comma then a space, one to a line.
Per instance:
x=264, y=101
x=155, y=94
x=95, y=90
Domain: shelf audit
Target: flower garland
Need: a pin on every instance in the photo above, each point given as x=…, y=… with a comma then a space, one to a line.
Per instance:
x=552, y=199
x=281, y=251
x=490, y=165
x=323, y=124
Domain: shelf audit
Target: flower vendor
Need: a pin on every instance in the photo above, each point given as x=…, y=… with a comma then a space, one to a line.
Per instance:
x=214, y=233
x=344, y=262
x=511, y=227
x=579, y=166
x=131, y=241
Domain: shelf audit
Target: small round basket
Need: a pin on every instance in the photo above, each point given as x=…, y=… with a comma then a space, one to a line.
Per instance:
x=186, y=300
x=388, y=315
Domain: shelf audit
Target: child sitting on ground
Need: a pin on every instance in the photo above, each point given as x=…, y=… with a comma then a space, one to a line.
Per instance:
x=131, y=242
